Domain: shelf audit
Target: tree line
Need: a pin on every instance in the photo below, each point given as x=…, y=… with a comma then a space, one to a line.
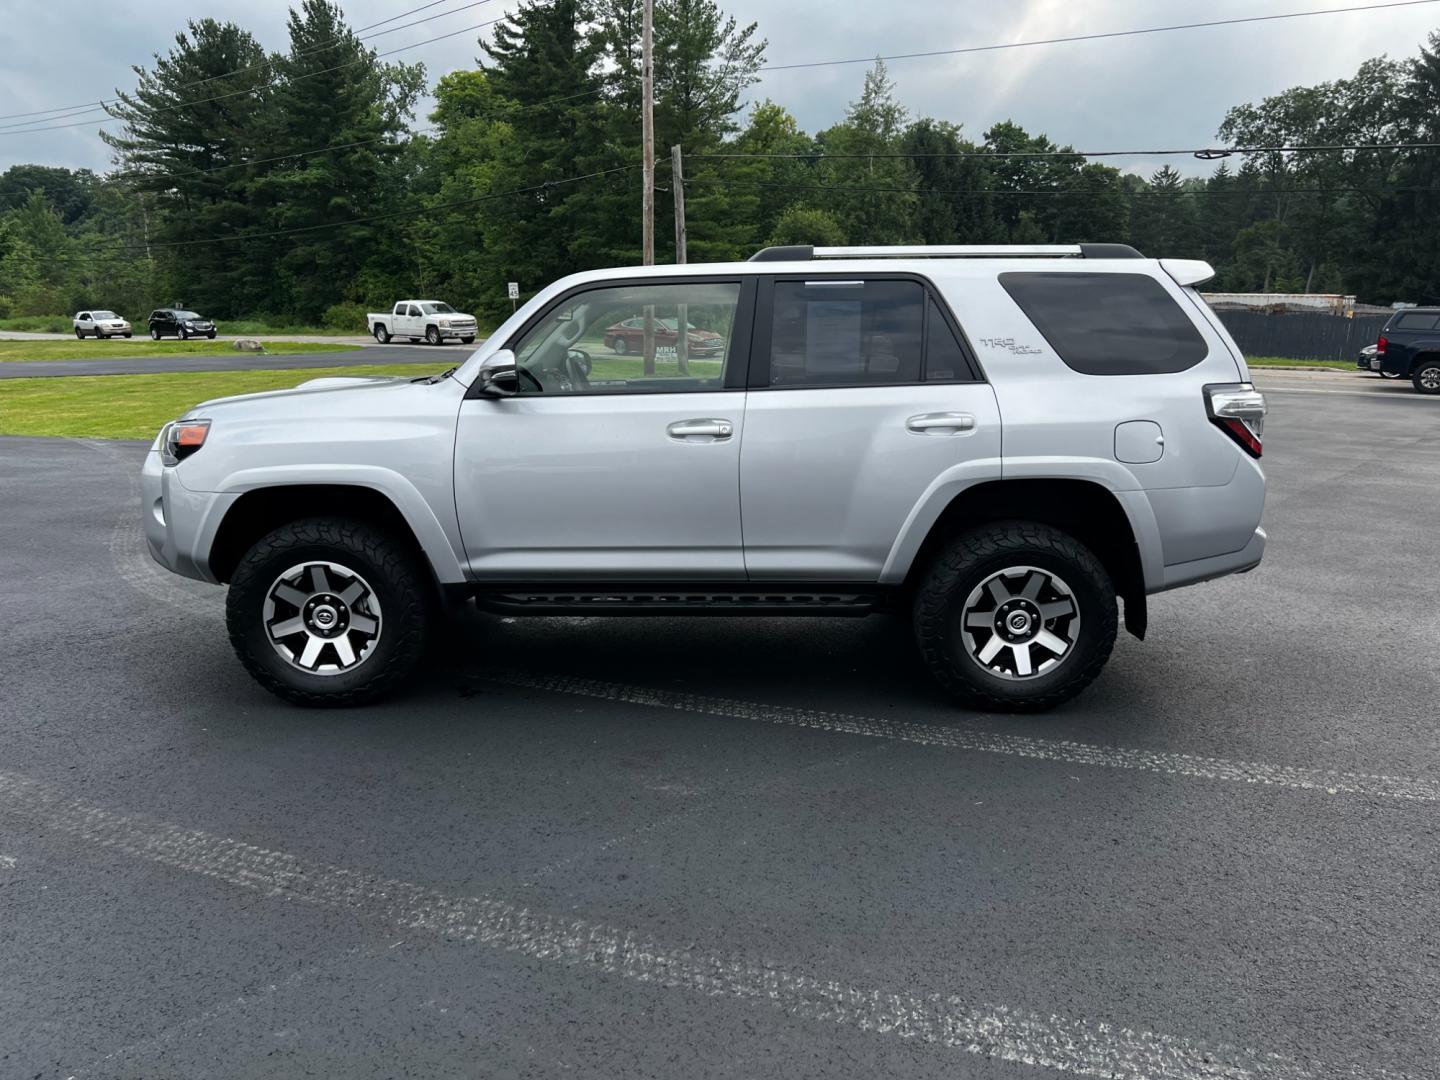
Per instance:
x=290, y=184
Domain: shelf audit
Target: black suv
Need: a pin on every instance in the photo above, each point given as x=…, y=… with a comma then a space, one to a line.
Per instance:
x=180, y=323
x=1410, y=346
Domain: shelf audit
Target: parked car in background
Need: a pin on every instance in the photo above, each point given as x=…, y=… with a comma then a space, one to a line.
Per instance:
x=433, y=320
x=1369, y=360
x=1409, y=347
x=100, y=324
x=628, y=337
x=177, y=322
x=996, y=441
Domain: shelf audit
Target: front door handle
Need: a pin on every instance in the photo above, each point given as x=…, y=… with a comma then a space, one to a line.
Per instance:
x=941, y=423
x=709, y=429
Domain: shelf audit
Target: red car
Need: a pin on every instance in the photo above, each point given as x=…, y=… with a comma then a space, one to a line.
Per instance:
x=628, y=338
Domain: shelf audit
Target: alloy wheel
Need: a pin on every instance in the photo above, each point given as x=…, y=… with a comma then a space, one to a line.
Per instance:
x=322, y=618
x=1020, y=622
x=1430, y=378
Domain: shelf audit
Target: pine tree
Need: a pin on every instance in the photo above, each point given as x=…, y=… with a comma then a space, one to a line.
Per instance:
x=872, y=190
x=332, y=91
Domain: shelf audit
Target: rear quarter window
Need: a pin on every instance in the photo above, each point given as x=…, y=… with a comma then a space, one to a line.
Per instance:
x=1108, y=324
x=1416, y=322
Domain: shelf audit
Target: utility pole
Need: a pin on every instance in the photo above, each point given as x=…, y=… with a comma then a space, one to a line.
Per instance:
x=647, y=138
x=682, y=339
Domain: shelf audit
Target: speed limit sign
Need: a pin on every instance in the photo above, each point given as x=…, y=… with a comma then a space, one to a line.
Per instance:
x=514, y=290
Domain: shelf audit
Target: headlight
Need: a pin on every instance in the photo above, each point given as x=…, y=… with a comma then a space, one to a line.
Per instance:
x=444, y=322
x=183, y=438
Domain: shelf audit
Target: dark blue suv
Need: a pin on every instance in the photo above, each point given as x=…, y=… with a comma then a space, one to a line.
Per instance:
x=1410, y=346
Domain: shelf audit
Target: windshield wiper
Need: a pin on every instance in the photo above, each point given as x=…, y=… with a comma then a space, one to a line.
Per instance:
x=431, y=380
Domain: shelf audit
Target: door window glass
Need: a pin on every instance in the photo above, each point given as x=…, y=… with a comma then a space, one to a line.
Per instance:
x=944, y=358
x=846, y=333
x=598, y=341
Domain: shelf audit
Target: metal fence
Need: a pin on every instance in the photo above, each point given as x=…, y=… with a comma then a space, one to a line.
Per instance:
x=1302, y=335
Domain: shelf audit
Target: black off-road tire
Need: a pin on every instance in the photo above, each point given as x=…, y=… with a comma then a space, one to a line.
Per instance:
x=400, y=583
x=967, y=561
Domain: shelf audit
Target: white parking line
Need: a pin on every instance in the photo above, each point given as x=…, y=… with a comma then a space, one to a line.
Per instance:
x=1075, y=753
x=1070, y=1045
x=7, y=862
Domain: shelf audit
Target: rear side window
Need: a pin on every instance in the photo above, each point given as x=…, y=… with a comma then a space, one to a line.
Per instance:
x=1417, y=322
x=846, y=333
x=1108, y=324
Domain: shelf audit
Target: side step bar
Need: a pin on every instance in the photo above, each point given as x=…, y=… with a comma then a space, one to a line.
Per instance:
x=677, y=601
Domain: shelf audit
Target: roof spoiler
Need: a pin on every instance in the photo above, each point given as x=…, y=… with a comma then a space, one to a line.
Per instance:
x=810, y=253
x=1188, y=271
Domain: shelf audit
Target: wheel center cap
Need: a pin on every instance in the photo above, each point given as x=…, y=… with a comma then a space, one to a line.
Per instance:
x=324, y=617
x=1019, y=622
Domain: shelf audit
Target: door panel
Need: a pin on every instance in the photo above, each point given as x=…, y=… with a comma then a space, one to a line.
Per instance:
x=855, y=413
x=598, y=487
x=829, y=476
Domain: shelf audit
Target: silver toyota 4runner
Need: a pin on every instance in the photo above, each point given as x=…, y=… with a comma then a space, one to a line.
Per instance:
x=999, y=441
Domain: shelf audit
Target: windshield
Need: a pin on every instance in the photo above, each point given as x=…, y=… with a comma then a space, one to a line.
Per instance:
x=186, y=315
x=438, y=309
x=103, y=315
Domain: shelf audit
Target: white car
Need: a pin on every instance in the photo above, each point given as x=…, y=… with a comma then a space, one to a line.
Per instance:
x=433, y=320
x=100, y=324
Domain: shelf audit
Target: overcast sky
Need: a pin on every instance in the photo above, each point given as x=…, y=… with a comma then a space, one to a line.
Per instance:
x=1151, y=91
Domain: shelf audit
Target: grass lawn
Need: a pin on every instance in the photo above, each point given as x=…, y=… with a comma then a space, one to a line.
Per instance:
x=90, y=349
x=1291, y=362
x=135, y=406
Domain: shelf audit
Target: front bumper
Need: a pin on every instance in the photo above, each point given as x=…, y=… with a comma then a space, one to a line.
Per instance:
x=180, y=524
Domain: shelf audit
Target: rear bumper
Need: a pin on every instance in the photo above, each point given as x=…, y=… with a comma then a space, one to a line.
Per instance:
x=1235, y=562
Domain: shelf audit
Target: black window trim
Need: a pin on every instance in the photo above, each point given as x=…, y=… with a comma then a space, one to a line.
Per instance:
x=741, y=332
x=764, y=322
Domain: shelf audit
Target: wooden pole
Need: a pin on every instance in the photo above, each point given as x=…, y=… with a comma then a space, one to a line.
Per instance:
x=647, y=139
x=677, y=185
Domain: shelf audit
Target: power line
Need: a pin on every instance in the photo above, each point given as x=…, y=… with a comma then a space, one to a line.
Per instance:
x=1210, y=152
x=87, y=107
x=1095, y=37
x=1259, y=193
x=251, y=90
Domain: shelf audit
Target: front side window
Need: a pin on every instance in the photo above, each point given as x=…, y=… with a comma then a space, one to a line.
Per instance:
x=84, y=316
x=413, y=311
x=598, y=341
x=846, y=333
x=1108, y=324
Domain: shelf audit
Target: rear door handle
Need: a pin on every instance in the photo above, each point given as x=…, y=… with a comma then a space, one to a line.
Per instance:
x=941, y=423
x=708, y=429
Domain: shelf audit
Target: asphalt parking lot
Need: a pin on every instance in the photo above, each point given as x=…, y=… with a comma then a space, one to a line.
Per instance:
x=691, y=848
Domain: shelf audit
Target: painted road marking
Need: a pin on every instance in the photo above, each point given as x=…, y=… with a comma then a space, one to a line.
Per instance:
x=1075, y=753
x=7, y=862
x=1069, y=1045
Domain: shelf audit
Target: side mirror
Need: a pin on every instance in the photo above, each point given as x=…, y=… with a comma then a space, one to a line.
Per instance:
x=499, y=377
x=499, y=382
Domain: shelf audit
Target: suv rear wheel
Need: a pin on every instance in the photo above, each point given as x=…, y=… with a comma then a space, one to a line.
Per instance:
x=1427, y=377
x=1015, y=617
x=328, y=612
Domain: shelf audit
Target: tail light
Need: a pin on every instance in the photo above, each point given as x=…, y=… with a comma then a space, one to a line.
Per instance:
x=183, y=438
x=1382, y=345
x=1238, y=409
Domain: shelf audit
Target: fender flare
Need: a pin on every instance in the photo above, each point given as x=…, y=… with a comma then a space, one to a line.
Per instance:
x=1111, y=476
x=439, y=544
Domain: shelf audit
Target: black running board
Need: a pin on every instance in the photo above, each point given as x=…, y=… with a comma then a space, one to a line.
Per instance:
x=678, y=601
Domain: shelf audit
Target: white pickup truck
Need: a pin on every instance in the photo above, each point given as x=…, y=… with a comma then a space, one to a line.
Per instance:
x=415, y=319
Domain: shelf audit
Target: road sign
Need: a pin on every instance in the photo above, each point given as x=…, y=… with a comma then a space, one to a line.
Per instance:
x=514, y=290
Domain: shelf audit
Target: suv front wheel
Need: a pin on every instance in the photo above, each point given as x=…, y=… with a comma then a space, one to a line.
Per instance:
x=1015, y=617
x=328, y=612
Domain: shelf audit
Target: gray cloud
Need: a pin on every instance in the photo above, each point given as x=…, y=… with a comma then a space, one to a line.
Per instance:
x=1152, y=91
